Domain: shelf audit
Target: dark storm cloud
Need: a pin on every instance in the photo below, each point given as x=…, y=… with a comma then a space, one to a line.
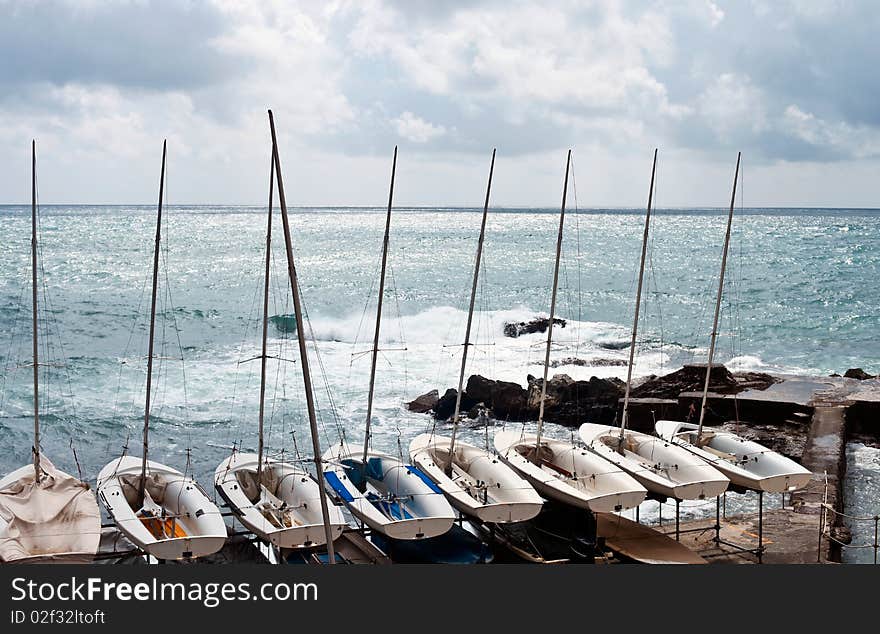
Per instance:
x=158, y=45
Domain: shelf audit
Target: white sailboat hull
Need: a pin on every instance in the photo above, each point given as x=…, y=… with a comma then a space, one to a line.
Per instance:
x=193, y=526
x=569, y=474
x=284, y=509
x=55, y=520
x=482, y=486
x=397, y=499
x=660, y=466
x=746, y=463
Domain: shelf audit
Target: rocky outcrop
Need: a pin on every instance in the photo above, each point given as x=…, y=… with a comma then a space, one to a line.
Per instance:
x=593, y=363
x=445, y=407
x=567, y=402
x=424, y=403
x=506, y=400
x=539, y=324
x=691, y=378
x=755, y=380
x=858, y=373
x=556, y=387
x=570, y=402
x=577, y=402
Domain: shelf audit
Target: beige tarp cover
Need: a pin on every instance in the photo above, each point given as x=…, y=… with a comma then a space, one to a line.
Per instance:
x=56, y=516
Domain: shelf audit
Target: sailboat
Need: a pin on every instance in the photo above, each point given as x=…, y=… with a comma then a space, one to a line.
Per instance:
x=560, y=470
x=45, y=513
x=665, y=469
x=746, y=463
x=277, y=501
x=159, y=509
x=391, y=497
x=474, y=480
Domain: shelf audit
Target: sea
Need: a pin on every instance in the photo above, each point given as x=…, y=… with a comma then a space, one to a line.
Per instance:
x=801, y=296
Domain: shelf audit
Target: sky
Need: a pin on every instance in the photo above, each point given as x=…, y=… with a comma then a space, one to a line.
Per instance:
x=793, y=84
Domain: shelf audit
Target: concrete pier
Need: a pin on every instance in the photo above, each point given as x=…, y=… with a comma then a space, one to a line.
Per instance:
x=825, y=456
x=809, y=419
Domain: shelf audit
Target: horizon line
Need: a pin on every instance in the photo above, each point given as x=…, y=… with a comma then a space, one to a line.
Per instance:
x=442, y=206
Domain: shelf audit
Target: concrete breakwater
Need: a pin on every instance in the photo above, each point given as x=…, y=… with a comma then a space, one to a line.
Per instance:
x=809, y=419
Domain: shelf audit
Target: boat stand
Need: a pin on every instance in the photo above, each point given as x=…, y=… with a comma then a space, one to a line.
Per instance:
x=758, y=551
x=678, y=531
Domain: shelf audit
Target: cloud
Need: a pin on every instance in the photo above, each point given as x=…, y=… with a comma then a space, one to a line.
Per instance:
x=839, y=137
x=733, y=107
x=100, y=84
x=416, y=129
x=153, y=45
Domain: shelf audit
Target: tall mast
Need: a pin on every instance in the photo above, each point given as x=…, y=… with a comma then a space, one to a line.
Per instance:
x=143, y=480
x=718, y=301
x=379, y=310
x=552, y=308
x=265, y=321
x=632, y=345
x=36, y=448
x=467, y=332
x=303, y=353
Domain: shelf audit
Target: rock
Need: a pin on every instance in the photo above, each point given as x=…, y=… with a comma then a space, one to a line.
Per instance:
x=539, y=324
x=595, y=401
x=475, y=411
x=857, y=373
x=506, y=400
x=688, y=379
x=555, y=388
x=480, y=388
x=424, y=403
x=613, y=345
x=755, y=380
x=509, y=401
x=571, y=402
x=620, y=383
x=445, y=407
x=596, y=363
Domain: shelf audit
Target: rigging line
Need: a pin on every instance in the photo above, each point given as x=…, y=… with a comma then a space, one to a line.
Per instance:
x=176, y=328
x=577, y=233
x=280, y=368
x=354, y=345
x=238, y=410
x=396, y=296
x=11, y=350
x=43, y=334
x=653, y=277
x=326, y=382
x=738, y=278
x=134, y=324
x=14, y=352
x=161, y=378
x=368, y=302
x=276, y=407
x=51, y=311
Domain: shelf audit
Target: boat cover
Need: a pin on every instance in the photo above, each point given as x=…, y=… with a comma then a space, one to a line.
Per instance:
x=55, y=516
